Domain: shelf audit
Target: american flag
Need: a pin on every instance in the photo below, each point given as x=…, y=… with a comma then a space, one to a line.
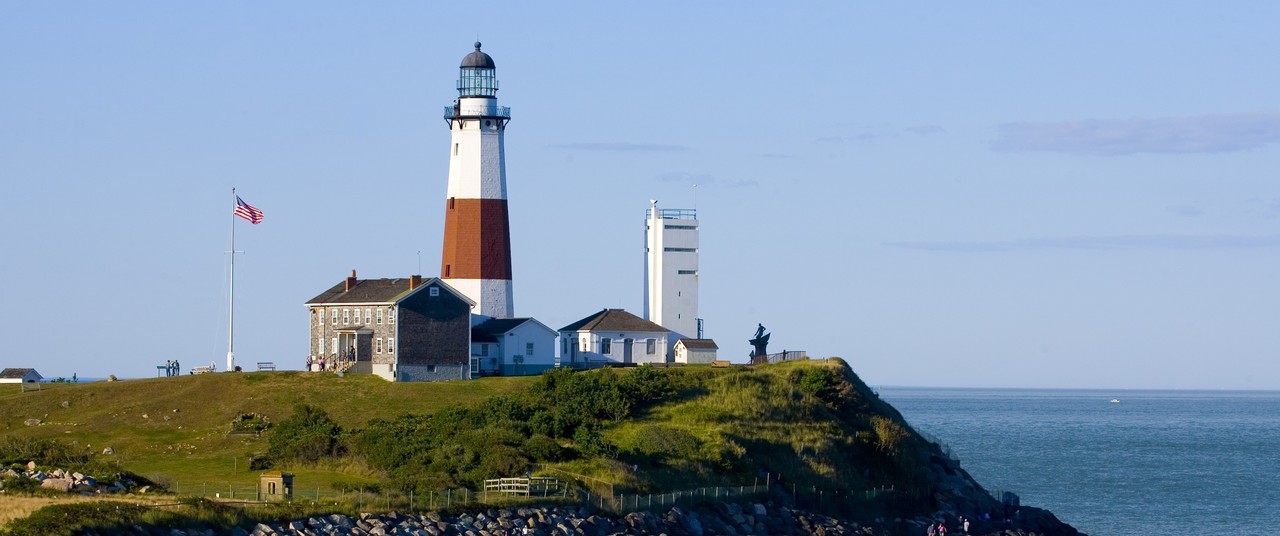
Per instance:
x=247, y=211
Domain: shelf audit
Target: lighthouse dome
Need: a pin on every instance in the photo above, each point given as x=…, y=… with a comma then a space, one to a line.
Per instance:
x=477, y=60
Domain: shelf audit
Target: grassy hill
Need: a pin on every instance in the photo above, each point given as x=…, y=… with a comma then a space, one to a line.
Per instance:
x=176, y=429
x=812, y=424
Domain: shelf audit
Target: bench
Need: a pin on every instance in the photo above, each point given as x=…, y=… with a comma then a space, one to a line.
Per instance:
x=720, y=363
x=201, y=370
x=266, y=365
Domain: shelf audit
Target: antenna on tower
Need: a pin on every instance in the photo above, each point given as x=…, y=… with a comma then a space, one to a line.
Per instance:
x=695, y=196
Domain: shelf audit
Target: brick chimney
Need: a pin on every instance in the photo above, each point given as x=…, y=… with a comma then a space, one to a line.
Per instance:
x=414, y=281
x=351, y=281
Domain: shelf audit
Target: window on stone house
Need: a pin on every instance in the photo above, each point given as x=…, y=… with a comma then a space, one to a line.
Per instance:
x=379, y=316
x=320, y=345
x=368, y=315
x=391, y=345
x=391, y=315
x=333, y=316
x=377, y=347
x=333, y=348
x=346, y=317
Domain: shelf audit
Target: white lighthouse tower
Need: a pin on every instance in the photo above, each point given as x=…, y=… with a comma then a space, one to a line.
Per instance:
x=477, y=235
x=671, y=270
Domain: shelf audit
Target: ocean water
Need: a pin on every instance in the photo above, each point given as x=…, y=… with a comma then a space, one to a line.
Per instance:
x=1156, y=462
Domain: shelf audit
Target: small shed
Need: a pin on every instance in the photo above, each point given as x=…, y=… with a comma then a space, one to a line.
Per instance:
x=696, y=351
x=275, y=486
x=20, y=375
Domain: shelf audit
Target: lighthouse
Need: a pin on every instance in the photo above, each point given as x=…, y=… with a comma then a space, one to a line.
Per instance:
x=671, y=269
x=477, y=235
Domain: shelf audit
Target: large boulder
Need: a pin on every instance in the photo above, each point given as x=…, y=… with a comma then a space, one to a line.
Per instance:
x=57, y=484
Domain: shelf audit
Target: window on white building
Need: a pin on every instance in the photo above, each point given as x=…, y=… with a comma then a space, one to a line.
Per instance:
x=606, y=346
x=528, y=348
x=651, y=346
x=484, y=350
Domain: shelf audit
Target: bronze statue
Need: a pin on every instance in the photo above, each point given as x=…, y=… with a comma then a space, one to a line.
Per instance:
x=760, y=354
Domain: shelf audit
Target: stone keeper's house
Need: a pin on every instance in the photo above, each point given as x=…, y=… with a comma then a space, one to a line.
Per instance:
x=402, y=329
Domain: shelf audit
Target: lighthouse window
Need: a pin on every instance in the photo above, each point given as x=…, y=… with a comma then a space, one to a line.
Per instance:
x=455, y=153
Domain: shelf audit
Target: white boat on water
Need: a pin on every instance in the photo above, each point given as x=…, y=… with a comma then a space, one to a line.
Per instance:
x=1115, y=400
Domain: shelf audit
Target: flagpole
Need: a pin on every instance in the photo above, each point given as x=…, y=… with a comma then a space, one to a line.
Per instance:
x=231, y=301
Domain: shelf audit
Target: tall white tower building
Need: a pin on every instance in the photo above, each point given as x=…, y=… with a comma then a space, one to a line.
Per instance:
x=671, y=270
x=477, y=233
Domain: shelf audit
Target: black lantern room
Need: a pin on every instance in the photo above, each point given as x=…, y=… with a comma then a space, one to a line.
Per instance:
x=476, y=77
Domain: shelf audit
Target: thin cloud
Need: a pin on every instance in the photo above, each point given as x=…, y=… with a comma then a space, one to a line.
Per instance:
x=621, y=147
x=1131, y=242
x=925, y=130
x=776, y=156
x=706, y=180
x=1168, y=135
x=863, y=137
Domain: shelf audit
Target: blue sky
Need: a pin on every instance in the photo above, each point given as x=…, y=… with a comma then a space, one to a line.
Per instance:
x=997, y=194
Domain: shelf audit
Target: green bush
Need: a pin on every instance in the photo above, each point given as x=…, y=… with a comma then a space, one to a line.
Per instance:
x=821, y=383
x=544, y=449
x=307, y=435
x=47, y=452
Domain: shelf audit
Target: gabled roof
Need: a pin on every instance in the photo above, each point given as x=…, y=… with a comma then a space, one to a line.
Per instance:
x=386, y=290
x=491, y=329
x=699, y=344
x=613, y=320
x=11, y=373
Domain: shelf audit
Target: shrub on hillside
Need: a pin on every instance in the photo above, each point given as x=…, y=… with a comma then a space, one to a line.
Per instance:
x=544, y=449
x=821, y=383
x=47, y=452
x=307, y=435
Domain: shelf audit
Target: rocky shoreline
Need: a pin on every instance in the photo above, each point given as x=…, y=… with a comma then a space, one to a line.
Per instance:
x=727, y=519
